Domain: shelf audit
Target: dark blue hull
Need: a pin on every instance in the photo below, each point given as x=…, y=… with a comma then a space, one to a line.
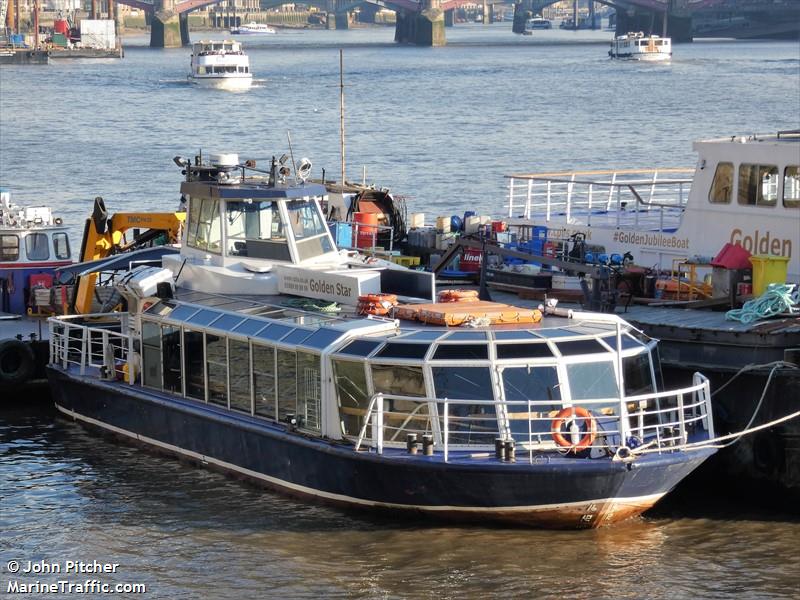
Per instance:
x=554, y=491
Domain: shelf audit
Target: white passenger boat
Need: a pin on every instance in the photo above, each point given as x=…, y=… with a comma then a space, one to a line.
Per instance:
x=538, y=22
x=264, y=351
x=253, y=28
x=638, y=46
x=221, y=64
x=744, y=191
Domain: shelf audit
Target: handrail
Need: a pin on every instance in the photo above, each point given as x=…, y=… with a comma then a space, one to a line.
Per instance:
x=670, y=426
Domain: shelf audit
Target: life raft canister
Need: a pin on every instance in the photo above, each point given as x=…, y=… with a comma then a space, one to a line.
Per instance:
x=572, y=414
x=17, y=362
x=376, y=304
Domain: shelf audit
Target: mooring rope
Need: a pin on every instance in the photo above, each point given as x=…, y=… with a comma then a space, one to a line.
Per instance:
x=779, y=298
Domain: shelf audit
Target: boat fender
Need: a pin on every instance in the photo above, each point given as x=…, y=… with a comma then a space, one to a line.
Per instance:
x=17, y=362
x=573, y=415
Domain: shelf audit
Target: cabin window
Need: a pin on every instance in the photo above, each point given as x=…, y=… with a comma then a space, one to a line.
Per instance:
x=305, y=219
x=791, y=187
x=287, y=384
x=592, y=381
x=151, y=355
x=537, y=384
x=217, y=368
x=239, y=373
x=467, y=423
x=36, y=246
x=309, y=391
x=193, y=364
x=171, y=353
x=722, y=186
x=204, y=229
x=402, y=417
x=636, y=375
x=758, y=185
x=264, y=380
x=351, y=392
x=9, y=247
x=256, y=229
x=61, y=246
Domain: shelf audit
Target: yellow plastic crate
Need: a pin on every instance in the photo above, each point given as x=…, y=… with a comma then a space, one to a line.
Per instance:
x=406, y=261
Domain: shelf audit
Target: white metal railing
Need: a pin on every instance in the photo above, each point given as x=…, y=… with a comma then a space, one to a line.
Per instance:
x=649, y=199
x=663, y=420
x=100, y=343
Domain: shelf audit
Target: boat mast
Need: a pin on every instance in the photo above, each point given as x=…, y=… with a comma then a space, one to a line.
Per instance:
x=341, y=112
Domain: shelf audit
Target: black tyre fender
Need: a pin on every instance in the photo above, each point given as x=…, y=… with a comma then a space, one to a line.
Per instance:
x=17, y=362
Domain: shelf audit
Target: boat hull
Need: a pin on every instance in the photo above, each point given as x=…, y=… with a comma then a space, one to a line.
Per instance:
x=554, y=492
x=223, y=83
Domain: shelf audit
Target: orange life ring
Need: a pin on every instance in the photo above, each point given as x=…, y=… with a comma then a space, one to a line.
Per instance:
x=569, y=414
x=458, y=295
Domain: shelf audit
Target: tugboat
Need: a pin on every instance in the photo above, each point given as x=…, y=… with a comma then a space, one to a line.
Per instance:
x=264, y=351
x=33, y=244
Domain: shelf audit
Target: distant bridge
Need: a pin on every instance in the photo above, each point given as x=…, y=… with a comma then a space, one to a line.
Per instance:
x=422, y=21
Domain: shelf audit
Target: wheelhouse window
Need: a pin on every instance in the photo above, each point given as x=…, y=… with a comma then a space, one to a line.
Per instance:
x=204, y=228
x=791, y=187
x=61, y=246
x=309, y=229
x=592, y=381
x=256, y=229
x=36, y=246
x=9, y=247
x=722, y=185
x=758, y=185
x=636, y=375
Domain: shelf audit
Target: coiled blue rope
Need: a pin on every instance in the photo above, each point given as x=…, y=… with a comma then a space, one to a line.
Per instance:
x=779, y=298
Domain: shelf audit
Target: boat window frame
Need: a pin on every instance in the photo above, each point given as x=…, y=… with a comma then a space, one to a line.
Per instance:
x=743, y=197
x=194, y=217
x=793, y=202
x=33, y=245
x=4, y=255
x=727, y=190
x=64, y=253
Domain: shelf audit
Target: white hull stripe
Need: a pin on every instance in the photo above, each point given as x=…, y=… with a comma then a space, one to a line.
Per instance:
x=638, y=500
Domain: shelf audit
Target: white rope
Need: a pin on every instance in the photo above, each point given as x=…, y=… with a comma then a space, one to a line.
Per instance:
x=735, y=437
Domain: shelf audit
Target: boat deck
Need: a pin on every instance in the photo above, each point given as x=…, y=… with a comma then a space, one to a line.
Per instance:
x=12, y=326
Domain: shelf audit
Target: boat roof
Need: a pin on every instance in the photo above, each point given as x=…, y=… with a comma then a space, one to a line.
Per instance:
x=253, y=188
x=781, y=137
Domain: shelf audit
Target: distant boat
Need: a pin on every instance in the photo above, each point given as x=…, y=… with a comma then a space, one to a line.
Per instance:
x=538, y=22
x=221, y=64
x=637, y=46
x=253, y=28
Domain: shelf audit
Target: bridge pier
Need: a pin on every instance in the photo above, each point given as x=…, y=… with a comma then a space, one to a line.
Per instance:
x=165, y=30
x=450, y=17
x=342, y=20
x=424, y=28
x=367, y=14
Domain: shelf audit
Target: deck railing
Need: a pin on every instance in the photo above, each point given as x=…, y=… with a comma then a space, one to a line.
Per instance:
x=349, y=235
x=659, y=420
x=647, y=199
x=99, y=343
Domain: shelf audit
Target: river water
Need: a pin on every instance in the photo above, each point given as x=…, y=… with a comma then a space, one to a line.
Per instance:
x=440, y=127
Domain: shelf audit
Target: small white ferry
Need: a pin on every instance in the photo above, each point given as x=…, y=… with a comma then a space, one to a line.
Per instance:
x=744, y=191
x=638, y=46
x=538, y=22
x=253, y=28
x=221, y=64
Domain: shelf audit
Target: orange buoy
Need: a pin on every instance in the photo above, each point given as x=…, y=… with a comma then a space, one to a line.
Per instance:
x=570, y=414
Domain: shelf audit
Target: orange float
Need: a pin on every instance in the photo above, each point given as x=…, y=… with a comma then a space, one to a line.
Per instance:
x=569, y=414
